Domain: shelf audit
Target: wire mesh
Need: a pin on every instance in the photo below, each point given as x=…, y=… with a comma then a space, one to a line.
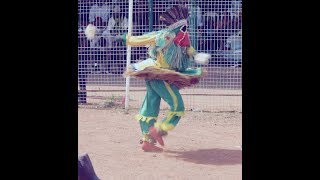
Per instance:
x=214, y=27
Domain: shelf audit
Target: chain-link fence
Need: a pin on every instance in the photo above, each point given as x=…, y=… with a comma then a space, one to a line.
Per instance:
x=214, y=26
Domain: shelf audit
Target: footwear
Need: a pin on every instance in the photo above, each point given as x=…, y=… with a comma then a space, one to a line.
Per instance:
x=150, y=147
x=156, y=135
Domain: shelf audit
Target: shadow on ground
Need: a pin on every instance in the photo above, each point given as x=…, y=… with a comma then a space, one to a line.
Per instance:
x=208, y=156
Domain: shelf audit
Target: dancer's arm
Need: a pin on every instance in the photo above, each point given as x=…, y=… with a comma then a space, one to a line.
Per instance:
x=191, y=51
x=143, y=40
x=199, y=58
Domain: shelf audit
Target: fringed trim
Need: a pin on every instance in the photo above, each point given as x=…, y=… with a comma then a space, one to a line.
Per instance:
x=140, y=117
x=178, y=79
x=175, y=113
x=164, y=125
x=178, y=24
x=177, y=57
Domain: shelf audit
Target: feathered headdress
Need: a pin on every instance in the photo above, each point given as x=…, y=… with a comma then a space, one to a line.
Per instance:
x=174, y=18
x=176, y=15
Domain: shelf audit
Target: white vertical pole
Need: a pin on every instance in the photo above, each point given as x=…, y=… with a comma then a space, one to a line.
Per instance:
x=128, y=55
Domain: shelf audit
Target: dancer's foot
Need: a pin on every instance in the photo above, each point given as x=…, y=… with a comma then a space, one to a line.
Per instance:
x=156, y=135
x=150, y=147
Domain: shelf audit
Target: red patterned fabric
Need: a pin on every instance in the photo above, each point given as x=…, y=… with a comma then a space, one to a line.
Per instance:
x=182, y=39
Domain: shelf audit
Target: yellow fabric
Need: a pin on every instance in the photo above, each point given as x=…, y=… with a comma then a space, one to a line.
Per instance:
x=164, y=125
x=191, y=51
x=157, y=125
x=140, y=117
x=174, y=97
x=161, y=63
x=147, y=39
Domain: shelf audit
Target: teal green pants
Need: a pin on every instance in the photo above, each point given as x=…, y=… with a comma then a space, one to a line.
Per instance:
x=157, y=90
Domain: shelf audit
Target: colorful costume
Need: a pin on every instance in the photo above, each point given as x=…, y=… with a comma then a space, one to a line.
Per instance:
x=165, y=72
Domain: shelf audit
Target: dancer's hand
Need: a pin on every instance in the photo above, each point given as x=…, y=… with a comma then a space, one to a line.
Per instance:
x=202, y=58
x=118, y=38
x=91, y=31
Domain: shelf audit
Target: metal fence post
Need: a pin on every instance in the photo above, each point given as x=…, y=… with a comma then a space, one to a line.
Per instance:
x=128, y=54
x=193, y=23
x=150, y=7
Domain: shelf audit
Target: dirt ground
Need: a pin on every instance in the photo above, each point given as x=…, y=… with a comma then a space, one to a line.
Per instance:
x=204, y=145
